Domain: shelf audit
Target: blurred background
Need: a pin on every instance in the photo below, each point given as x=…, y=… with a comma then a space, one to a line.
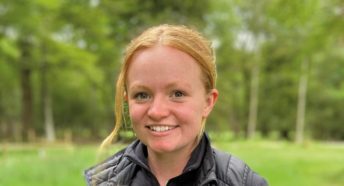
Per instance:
x=280, y=77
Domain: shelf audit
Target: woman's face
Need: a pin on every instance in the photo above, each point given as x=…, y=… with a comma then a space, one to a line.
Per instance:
x=167, y=99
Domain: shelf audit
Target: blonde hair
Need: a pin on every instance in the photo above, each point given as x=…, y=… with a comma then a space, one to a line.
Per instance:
x=179, y=37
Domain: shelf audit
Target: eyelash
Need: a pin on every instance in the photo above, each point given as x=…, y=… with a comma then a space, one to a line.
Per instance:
x=144, y=96
x=175, y=92
x=140, y=96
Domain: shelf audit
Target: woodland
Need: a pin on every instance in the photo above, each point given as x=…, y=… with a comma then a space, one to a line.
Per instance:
x=280, y=65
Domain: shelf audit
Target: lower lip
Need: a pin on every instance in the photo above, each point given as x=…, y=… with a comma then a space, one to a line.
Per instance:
x=160, y=134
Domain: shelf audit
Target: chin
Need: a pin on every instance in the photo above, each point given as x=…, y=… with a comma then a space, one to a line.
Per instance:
x=161, y=147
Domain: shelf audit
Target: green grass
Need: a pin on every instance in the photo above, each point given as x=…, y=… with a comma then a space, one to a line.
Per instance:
x=285, y=164
x=281, y=163
x=58, y=165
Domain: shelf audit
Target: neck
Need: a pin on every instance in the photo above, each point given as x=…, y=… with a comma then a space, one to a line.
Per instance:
x=169, y=165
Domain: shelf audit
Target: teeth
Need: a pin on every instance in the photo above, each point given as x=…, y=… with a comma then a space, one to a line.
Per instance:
x=160, y=128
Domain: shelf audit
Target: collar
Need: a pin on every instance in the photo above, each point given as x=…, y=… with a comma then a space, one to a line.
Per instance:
x=197, y=156
x=201, y=159
x=138, y=154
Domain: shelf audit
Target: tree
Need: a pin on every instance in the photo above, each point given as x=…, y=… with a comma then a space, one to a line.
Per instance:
x=301, y=104
x=20, y=31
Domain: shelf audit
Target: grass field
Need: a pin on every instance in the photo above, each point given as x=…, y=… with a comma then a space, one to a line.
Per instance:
x=282, y=163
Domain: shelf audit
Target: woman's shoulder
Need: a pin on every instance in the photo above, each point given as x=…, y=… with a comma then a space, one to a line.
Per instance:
x=234, y=171
x=116, y=169
x=101, y=171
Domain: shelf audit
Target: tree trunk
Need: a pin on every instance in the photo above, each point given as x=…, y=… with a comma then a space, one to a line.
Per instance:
x=301, y=104
x=253, y=109
x=27, y=100
x=48, y=117
x=234, y=124
x=4, y=130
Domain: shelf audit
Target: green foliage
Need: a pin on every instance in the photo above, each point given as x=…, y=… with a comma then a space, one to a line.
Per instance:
x=290, y=31
x=78, y=44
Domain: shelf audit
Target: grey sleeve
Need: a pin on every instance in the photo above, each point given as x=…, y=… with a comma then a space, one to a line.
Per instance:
x=234, y=171
x=255, y=180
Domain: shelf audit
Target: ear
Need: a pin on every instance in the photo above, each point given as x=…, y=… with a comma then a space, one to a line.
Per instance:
x=125, y=96
x=211, y=99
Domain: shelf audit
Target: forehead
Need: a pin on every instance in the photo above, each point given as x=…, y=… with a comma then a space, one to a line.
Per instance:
x=161, y=49
x=163, y=55
x=163, y=62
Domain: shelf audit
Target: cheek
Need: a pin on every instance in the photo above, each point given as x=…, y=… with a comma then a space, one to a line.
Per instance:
x=136, y=113
x=190, y=114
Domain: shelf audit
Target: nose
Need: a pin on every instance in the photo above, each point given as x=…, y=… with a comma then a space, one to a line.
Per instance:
x=158, y=109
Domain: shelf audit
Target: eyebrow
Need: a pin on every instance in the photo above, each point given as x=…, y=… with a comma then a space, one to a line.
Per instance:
x=173, y=84
x=139, y=86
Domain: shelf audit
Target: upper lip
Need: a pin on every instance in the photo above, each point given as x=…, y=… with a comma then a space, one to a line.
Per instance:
x=161, y=125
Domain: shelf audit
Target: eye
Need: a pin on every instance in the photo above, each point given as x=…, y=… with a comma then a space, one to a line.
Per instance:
x=178, y=94
x=141, y=96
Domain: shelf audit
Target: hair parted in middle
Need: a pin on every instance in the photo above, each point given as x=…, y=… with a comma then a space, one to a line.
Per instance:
x=176, y=36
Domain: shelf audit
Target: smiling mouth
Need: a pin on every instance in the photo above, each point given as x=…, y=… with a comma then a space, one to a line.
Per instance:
x=160, y=128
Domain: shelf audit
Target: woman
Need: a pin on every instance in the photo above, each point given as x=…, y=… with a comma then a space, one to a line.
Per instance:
x=168, y=81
